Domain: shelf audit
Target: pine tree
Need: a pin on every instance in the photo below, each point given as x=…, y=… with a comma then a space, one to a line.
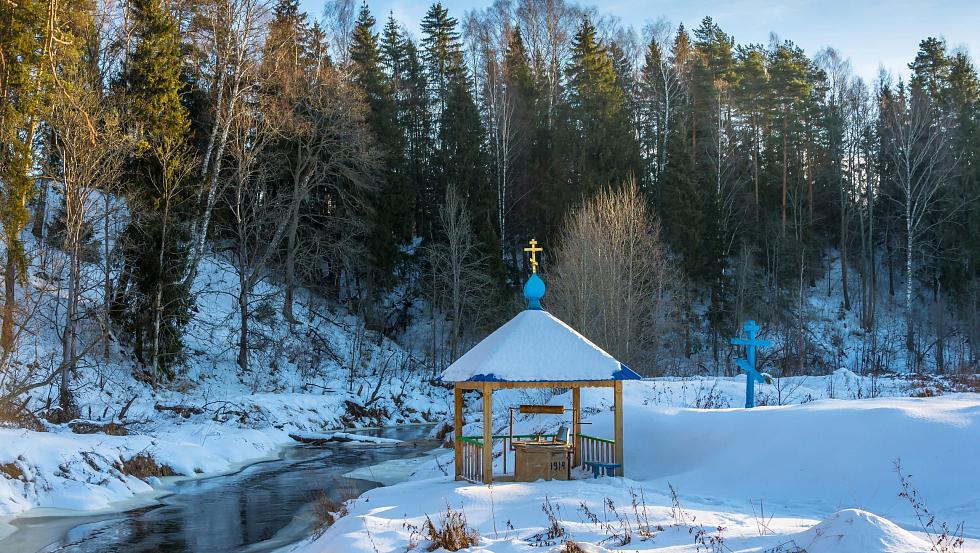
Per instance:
x=460, y=155
x=682, y=207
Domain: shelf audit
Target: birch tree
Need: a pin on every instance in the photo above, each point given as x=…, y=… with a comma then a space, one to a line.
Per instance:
x=923, y=162
x=232, y=35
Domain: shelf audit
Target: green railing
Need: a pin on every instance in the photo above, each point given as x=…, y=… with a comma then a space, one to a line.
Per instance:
x=593, y=449
x=478, y=440
x=603, y=440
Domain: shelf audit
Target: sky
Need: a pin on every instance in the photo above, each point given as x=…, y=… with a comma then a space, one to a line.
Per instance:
x=871, y=33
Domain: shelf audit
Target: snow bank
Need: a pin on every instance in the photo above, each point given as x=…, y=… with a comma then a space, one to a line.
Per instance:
x=82, y=472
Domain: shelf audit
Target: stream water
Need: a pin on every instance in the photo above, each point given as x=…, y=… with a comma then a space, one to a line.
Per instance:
x=263, y=507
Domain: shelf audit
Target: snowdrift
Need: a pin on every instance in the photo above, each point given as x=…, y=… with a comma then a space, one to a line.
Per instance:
x=857, y=531
x=822, y=455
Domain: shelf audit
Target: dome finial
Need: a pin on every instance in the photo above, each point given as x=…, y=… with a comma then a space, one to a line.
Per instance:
x=534, y=288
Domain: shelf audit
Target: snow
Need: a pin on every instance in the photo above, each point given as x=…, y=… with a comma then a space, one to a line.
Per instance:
x=536, y=346
x=857, y=531
x=822, y=472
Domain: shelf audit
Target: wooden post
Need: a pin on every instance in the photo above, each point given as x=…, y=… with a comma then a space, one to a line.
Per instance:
x=487, y=433
x=458, y=429
x=576, y=426
x=618, y=424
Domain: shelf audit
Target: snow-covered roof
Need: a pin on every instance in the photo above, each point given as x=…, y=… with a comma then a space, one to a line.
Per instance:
x=535, y=346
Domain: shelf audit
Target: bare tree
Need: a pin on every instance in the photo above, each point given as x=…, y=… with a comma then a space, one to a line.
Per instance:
x=85, y=164
x=921, y=153
x=488, y=37
x=340, y=17
x=842, y=145
x=612, y=276
x=330, y=152
x=256, y=224
x=460, y=283
x=547, y=26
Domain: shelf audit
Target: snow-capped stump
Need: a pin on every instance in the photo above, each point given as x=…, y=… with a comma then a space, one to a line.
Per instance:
x=537, y=350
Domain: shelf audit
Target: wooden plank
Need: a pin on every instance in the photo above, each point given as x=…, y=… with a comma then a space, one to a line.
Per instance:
x=618, y=425
x=542, y=409
x=487, y=433
x=576, y=426
x=458, y=424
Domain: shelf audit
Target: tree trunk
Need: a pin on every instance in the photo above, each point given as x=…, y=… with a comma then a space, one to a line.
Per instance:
x=909, y=333
x=68, y=338
x=785, y=177
x=37, y=229
x=287, y=305
x=243, y=311
x=843, y=267
x=9, y=301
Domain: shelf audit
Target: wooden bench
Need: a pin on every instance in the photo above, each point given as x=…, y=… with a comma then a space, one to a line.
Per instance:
x=607, y=469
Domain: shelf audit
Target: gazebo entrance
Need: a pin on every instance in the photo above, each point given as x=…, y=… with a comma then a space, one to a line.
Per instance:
x=474, y=461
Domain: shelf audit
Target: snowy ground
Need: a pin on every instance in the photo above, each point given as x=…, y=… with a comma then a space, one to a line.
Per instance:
x=817, y=476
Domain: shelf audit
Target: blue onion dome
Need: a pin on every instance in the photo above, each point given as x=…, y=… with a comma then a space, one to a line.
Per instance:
x=533, y=291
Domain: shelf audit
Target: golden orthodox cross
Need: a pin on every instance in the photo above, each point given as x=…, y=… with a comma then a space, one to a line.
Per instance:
x=533, y=250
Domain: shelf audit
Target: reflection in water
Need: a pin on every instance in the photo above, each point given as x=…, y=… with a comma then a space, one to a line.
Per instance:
x=261, y=508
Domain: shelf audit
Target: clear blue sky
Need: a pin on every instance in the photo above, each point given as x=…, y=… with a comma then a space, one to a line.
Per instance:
x=869, y=32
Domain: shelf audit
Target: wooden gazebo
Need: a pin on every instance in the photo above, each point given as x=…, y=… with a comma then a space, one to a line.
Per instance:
x=535, y=350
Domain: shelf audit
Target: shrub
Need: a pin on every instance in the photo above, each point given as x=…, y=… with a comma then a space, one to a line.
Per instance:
x=453, y=532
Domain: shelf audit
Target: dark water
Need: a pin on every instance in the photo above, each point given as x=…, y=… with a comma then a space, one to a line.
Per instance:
x=261, y=508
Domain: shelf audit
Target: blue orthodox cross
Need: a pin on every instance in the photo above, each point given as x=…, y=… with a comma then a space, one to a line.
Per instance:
x=748, y=365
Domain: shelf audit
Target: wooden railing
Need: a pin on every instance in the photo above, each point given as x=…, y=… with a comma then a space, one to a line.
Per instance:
x=598, y=450
x=472, y=453
x=590, y=449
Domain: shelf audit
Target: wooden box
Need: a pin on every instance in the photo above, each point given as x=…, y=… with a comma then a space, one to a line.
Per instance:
x=540, y=461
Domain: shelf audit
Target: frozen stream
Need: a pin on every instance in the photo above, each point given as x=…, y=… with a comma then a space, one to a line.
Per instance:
x=261, y=508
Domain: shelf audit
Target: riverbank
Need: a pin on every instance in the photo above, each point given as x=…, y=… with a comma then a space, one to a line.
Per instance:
x=294, y=467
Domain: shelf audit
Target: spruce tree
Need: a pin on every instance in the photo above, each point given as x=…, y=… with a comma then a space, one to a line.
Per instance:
x=603, y=146
x=152, y=301
x=392, y=201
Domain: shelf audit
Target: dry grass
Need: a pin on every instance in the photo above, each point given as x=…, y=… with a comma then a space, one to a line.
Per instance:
x=144, y=466
x=453, y=532
x=326, y=511
x=12, y=471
